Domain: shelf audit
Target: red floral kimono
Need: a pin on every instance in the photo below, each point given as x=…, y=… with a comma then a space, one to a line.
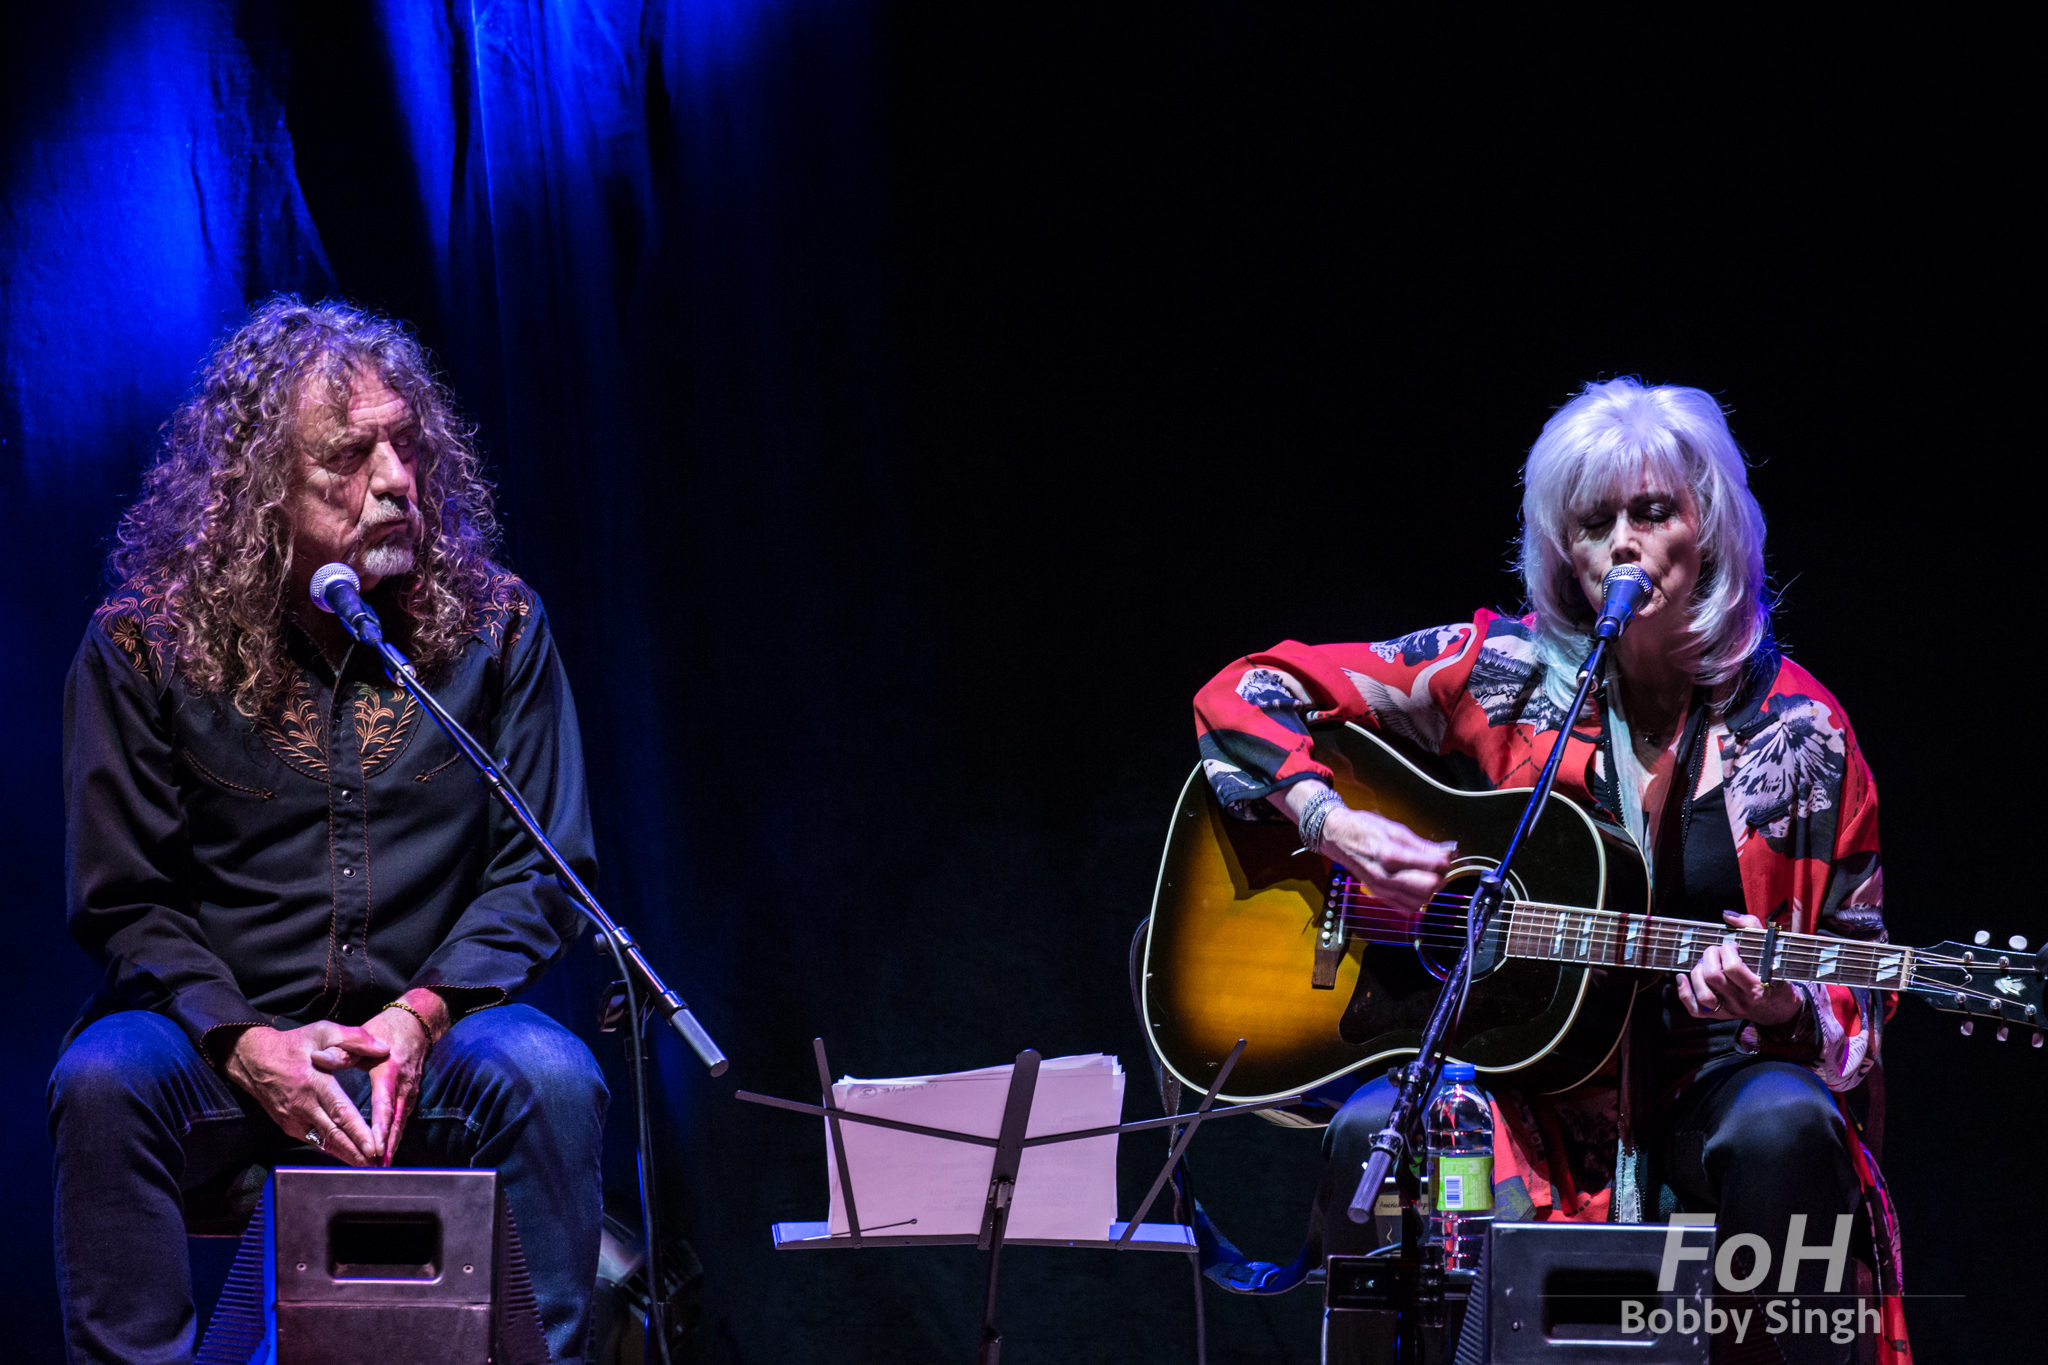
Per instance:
x=1801, y=806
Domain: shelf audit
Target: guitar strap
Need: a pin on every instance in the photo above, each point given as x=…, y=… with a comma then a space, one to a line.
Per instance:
x=1636, y=1178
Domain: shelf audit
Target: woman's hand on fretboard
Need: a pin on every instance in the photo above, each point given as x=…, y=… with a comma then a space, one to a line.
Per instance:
x=1722, y=986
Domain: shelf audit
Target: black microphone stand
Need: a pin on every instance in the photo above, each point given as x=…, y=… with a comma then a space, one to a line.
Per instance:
x=1420, y=1077
x=633, y=966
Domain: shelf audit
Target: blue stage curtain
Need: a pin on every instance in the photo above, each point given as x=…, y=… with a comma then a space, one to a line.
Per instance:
x=643, y=239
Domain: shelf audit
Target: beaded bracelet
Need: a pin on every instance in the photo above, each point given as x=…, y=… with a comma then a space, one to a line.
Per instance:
x=1312, y=817
x=424, y=1025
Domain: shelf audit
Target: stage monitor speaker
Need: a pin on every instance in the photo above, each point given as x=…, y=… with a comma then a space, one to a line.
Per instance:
x=342, y=1266
x=1555, y=1293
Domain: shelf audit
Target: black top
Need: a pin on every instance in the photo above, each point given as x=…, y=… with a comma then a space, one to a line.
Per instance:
x=1703, y=882
x=324, y=859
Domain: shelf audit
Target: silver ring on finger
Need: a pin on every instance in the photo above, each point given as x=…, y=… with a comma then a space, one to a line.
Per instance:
x=313, y=1138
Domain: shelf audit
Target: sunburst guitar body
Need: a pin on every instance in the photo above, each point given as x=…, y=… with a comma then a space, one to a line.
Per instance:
x=1253, y=938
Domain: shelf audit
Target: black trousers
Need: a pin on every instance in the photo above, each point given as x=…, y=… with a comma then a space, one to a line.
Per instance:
x=1752, y=1140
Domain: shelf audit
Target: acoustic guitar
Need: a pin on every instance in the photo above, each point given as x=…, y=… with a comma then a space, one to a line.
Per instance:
x=1251, y=937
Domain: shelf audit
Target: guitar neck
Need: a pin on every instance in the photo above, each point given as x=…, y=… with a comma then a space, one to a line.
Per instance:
x=1603, y=938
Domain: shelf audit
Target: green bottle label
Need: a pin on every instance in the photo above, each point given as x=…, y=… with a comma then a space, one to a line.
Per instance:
x=1464, y=1184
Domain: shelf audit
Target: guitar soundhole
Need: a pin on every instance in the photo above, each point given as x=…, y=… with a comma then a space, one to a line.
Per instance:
x=1440, y=935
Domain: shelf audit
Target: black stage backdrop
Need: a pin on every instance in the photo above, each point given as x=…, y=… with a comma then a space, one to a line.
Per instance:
x=903, y=409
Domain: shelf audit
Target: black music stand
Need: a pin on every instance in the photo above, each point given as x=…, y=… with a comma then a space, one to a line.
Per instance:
x=1009, y=1145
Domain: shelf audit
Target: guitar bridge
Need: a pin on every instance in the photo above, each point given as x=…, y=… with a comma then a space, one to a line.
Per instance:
x=1330, y=934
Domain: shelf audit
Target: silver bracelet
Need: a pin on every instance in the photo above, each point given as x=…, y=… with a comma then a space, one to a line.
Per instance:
x=1314, y=814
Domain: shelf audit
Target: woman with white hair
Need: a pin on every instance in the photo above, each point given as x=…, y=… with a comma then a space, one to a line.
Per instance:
x=1734, y=771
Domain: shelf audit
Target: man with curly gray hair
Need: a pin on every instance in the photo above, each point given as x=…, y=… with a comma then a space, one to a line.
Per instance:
x=312, y=922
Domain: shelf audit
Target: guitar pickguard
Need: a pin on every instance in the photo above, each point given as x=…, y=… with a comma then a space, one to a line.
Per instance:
x=1395, y=994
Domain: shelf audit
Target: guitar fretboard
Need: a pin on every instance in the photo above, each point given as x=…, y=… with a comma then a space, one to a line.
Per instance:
x=1607, y=939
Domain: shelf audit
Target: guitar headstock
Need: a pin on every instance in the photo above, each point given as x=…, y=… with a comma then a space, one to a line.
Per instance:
x=1986, y=983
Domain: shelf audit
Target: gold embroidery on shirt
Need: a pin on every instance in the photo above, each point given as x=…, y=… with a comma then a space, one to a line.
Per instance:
x=126, y=633
x=382, y=732
x=298, y=733
x=505, y=612
x=137, y=618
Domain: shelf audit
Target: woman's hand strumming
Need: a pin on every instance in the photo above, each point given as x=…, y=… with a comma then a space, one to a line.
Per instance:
x=1390, y=860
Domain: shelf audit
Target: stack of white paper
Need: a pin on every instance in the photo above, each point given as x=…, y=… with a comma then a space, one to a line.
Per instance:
x=1065, y=1190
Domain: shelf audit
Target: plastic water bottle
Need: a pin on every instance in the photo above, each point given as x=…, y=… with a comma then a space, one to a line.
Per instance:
x=1458, y=1136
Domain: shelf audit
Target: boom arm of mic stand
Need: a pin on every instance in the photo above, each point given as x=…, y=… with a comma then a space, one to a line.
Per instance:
x=664, y=1000
x=1420, y=1080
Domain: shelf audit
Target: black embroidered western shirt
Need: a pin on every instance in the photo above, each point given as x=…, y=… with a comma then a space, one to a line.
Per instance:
x=321, y=860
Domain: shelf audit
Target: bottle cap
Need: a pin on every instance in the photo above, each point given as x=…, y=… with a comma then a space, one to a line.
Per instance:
x=1460, y=1071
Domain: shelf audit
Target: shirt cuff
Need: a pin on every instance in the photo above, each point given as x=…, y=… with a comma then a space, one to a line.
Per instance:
x=1796, y=1040
x=463, y=1001
x=213, y=1014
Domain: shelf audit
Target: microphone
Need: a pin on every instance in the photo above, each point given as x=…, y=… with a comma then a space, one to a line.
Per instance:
x=1624, y=590
x=337, y=591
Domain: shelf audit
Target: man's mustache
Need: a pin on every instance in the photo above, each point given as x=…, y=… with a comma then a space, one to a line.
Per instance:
x=410, y=516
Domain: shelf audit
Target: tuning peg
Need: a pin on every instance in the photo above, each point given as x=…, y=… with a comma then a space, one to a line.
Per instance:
x=1982, y=937
x=2037, y=1037
x=2004, y=1032
x=2016, y=942
x=1969, y=1027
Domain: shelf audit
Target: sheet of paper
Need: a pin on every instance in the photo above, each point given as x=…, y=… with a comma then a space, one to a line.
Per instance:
x=1065, y=1190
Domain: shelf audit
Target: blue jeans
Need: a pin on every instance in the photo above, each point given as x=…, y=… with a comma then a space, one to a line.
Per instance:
x=138, y=1117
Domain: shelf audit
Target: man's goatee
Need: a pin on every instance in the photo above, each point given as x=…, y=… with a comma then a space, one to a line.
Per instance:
x=388, y=561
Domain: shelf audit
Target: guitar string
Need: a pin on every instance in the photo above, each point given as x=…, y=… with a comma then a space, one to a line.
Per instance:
x=1347, y=899
x=1661, y=930
x=1655, y=940
x=1808, y=949
x=1998, y=1003
x=1799, y=957
x=1944, y=988
x=1912, y=980
x=1605, y=949
x=1799, y=953
x=1670, y=949
x=1452, y=901
x=1457, y=902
